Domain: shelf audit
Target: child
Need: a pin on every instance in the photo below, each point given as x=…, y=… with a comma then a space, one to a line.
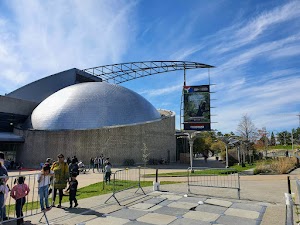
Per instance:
x=73, y=184
x=18, y=192
x=43, y=179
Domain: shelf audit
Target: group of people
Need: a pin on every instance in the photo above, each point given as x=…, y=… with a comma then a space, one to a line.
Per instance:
x=98, y=163
x=62, y=173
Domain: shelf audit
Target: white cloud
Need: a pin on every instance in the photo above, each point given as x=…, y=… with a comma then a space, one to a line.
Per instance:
x=50, y=36
x=247, y=32
x=162, y=91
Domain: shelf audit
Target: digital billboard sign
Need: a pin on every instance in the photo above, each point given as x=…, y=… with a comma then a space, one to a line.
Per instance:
x=196, y=107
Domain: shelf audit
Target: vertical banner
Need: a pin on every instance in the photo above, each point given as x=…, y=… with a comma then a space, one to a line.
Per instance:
x=196, y=107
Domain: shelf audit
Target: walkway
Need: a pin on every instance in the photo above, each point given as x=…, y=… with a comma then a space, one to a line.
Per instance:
x=262, y=203
x=173, y=208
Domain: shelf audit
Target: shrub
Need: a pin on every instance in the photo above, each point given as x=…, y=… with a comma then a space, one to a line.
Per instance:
x=231, y=159
x=281, y=165
x=128, y=162
x=262, y=167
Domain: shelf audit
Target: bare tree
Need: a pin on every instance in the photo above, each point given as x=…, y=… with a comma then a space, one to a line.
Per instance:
x=246, y=129
x=145, y=154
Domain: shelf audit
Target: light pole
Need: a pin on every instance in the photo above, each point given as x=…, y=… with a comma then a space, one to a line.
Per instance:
x=226, y=148
x=227, y=141
x=191, y=142
x=292, y=143
x=191, y=137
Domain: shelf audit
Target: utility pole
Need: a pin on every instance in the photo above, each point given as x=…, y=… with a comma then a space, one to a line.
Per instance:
x=299, y=120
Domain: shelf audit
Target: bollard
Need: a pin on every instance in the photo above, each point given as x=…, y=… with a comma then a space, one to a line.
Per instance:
x=156, y=184
x=289, y=185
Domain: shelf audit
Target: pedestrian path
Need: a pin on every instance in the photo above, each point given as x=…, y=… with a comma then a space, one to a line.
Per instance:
x=158, y=208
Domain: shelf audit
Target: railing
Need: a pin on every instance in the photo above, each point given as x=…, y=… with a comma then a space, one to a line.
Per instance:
x=124, y=180
x=32, y=204
x=213, y=177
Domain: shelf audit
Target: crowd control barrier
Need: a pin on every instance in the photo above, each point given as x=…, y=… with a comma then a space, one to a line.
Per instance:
x=32, y=204
x=125, y=179
x=213, y=177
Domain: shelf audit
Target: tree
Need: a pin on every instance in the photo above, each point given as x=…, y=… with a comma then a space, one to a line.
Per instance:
x=246, y=129
x=273, y=140
x=219, y=133
x=145, y=154
x=263, y=134
x=202, y=143
x=218, y=146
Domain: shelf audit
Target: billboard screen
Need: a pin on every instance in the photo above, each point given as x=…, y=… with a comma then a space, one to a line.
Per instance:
x=196, y=107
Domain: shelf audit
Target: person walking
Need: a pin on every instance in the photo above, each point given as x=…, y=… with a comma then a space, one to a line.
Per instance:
x=102, y=163
x=95, y=164
x=92, y=163
x=18, y=192
x=108, y=172
x=61, y=175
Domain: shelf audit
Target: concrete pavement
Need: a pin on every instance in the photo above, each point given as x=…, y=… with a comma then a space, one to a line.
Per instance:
x=159, y=208
x=262, y=202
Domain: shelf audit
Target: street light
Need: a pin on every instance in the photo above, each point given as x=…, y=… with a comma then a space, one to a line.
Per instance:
x=191, y=137
x=228, y=141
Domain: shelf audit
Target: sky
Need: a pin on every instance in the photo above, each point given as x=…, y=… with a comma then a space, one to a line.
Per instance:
x=254, y=46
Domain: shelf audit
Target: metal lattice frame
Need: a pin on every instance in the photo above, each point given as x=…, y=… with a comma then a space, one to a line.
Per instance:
x=123, y=72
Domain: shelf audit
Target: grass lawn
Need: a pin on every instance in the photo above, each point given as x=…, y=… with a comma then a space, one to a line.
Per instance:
x=231, y=169
x=240, y=168
x=280, y=147
x=87, y=192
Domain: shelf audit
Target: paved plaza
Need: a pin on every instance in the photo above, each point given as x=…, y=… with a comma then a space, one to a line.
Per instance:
x=158, y=208
x=262, y=203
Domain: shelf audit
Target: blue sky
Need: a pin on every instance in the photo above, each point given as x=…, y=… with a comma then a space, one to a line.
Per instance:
x=255, y=46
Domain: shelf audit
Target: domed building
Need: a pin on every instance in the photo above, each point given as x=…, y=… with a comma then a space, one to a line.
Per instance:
x=75, y=113
x=92, y=105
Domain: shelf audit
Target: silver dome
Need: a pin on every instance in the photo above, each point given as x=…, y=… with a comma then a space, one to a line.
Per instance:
x=92, y=105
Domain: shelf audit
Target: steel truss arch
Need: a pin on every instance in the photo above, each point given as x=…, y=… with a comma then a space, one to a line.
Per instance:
x=123, y=72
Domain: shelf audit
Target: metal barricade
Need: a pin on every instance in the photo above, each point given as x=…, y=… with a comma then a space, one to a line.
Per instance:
x=213, y=177
x=124, y=180
x=32, y=201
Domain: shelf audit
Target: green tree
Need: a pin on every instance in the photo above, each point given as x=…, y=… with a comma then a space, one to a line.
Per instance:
x=273, y=140
x=218, y=146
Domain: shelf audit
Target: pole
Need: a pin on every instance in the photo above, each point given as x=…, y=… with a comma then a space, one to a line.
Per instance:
x=292, y=143
x=289, y=185
x=191, y=142
x=226, y=155
x=239, y=156
x=184, y=77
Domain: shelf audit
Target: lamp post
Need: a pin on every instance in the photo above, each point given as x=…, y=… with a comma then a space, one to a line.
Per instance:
x=191, y=142
x=191, y=137
x=226, y=148
x=292, y=143
x=228, y=141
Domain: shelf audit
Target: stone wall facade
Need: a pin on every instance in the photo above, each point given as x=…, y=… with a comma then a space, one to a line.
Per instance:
x=118, y=143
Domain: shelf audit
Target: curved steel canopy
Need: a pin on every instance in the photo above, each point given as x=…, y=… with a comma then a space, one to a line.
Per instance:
x=120, y=73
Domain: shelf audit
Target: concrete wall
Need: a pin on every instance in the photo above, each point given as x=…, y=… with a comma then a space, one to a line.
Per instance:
x=38, y=90
x=16, y=106
x=117, y=143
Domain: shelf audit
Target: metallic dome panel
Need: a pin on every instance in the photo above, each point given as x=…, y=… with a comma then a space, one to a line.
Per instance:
x=92, y=105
